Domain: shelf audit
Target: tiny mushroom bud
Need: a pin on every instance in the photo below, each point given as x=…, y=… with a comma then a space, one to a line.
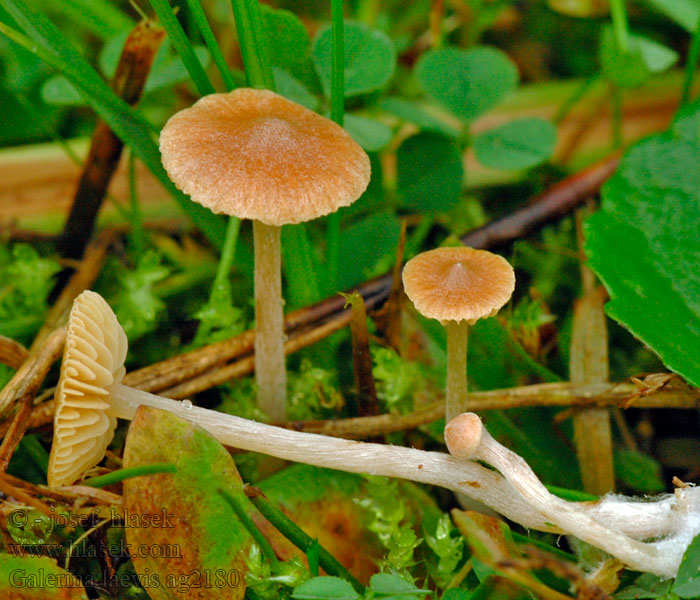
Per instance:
x=256, y=155
x=458, y=286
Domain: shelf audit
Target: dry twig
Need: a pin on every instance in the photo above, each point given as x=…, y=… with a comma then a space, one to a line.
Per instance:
x=12, y=353
x=129, y=80
x=31, y=374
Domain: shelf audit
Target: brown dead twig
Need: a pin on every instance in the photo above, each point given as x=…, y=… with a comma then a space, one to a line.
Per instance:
x=74, y=494
x=12, y=353
x=15, y=492
x=677, y=395
x=128, y=83
x=31, y=374
x=589, y=364
x=15, y=432
x=82, y=279
x=536, y=559
x=367, y=403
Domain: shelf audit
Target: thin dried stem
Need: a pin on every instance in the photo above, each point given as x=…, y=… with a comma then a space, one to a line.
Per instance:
x=30, y=375
x=82, y=279
x=388, y=317
x=20, y=495
x=589, y=364
x=128, y=83
x=76, y=494
x=367, y=403
x=19, y=425
x=678, y=396
x=246, y=365
x=12, y=353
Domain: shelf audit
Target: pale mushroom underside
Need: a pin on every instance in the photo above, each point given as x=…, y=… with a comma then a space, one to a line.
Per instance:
x=93, y=360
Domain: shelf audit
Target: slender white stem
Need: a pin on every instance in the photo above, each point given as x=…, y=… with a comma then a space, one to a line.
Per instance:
x=434, y=468
x=627, y=517
x=270, y=370
x=476, y=443
x=456, y=396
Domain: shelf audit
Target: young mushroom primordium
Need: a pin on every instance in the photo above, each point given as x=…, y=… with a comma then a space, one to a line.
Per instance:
x=90, y=397
x=256, y=155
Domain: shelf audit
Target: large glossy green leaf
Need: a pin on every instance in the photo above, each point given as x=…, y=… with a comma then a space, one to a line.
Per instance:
x=467, y=82
x=178, y=524
x=429, y=173
x=370, y=59
x=37, y=578
x=644, y=244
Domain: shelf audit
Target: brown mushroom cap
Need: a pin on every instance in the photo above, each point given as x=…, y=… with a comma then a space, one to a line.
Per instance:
x=458, y=284
x=256, y=155
x=93, y=359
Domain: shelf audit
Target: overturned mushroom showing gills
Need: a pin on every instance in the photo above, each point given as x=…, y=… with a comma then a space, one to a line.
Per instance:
x=256, y=155
x=458, y=286
x=675, y=517
x=466, y=438
x=93, y=359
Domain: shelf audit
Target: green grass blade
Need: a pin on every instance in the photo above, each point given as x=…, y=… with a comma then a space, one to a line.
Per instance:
x=691, y=66
x=338, y=63
x=200, y=18
x=48, y=43
x=300, y=266
x=123, y=474
x=97, y=16
x=253, y=45
x=338, y=115
x=182, y=45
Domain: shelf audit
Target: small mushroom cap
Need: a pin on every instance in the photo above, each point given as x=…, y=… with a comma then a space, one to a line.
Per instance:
x=256, y=155
x=93, y=360
x=463, y=435
x=458, y=284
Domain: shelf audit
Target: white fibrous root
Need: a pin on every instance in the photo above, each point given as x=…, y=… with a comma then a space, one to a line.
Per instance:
x=615, y=524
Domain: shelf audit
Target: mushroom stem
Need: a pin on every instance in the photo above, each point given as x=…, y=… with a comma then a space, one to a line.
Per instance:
x=467, y=439
x=643, y=520
x=456, y=398
x=270, y=371
x=434, y=468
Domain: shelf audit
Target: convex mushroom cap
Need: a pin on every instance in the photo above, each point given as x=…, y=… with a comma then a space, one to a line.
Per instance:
x=256, y=155
x=93, y=359
x=458, y=284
